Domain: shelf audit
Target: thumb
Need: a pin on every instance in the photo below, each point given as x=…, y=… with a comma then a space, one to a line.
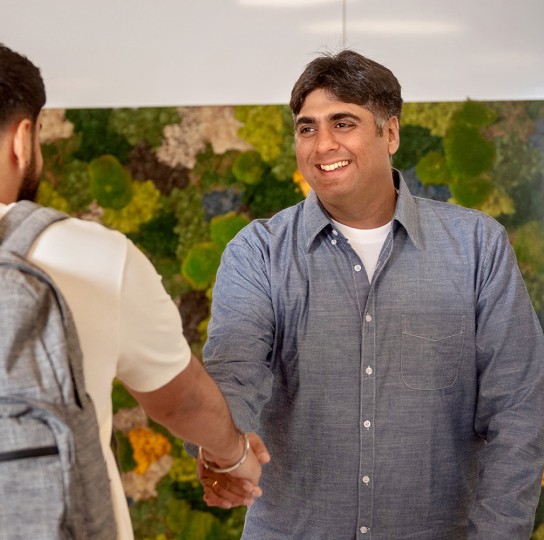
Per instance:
x=258, y=447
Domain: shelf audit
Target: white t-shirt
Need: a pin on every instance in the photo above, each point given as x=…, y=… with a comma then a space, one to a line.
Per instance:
x=127, y=324
x=367, y=243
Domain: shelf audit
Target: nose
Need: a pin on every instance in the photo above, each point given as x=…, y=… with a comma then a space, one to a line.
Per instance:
x=325, y=141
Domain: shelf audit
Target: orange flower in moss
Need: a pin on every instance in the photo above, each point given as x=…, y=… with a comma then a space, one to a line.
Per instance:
x=147, y=447
x=302, y=184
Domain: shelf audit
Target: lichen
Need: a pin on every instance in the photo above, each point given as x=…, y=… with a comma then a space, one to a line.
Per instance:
x=199, y=126
x=54, y=126
x=191, y=228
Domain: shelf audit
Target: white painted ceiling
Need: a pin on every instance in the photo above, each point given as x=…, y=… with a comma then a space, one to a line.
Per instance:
x=114, y=53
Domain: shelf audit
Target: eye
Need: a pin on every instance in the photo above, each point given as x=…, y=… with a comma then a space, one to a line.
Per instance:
x=305, y=130
x=343, y=125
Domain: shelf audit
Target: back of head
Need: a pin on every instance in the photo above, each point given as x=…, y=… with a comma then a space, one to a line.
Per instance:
x=351, y=78
x=22, y=92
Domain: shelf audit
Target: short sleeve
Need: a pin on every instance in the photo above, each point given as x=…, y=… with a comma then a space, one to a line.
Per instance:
x=152, y=348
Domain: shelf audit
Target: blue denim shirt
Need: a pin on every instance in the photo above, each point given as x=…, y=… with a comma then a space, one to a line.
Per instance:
x=411, y=407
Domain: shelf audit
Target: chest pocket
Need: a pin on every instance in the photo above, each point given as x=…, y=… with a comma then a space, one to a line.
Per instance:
x=432, y=345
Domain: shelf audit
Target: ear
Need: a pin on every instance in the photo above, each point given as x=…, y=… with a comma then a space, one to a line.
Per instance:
x=22, y=144
x=391, y=129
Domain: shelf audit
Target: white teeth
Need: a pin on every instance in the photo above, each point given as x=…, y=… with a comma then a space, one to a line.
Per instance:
x=333, y=166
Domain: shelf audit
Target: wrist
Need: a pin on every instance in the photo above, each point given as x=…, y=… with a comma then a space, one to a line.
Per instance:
x=227, y=462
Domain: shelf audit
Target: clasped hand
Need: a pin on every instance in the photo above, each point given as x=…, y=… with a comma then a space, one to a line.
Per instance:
x=239, y=487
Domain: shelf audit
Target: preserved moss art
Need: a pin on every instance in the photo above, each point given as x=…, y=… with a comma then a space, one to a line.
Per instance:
x=182, y=182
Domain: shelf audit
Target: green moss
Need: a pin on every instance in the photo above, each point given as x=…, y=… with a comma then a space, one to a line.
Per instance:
x=110, y=182
x=433, y=169
x=178, y=515
x=145, y=123
x=201, y=526
x=471, y=192
x=201, y=264
x=249, y=168
x=121, y=397
x=149, y=516
x=415, y=143
x=186, y=204
x=516, y=162
x=47, y=196
x=535, y=109
x=142, y=207
x=125, y=453
x=529, y=247
x=172, y=280
x=475, y=113
x=270, y=196
x=468, y=153
x=74, y=185
x=435, y=116
x=224, y=228
x=263, y=125
x=213, y=171
x=157, y=236
x=285, y=165
x=98, y=138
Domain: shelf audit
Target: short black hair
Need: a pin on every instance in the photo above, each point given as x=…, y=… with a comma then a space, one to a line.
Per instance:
x=351, y=78
x=22, y=92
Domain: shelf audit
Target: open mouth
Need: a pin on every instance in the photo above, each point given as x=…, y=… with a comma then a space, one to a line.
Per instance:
x=333, y=166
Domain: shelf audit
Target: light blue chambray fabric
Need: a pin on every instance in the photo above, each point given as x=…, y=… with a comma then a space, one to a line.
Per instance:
x=382, y=403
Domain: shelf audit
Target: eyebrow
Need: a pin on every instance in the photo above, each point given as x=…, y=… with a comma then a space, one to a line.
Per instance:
x=332, y=118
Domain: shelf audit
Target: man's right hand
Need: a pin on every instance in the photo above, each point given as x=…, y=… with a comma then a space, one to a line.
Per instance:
x=239, y=487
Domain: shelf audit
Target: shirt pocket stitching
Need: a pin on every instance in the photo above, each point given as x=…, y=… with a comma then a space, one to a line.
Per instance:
x=459, y=356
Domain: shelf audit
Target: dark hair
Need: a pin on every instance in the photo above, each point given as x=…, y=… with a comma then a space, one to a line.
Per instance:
x=22, y=92
x=351, y=78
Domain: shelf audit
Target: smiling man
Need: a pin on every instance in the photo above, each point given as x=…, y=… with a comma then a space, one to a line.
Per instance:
x=383, y=345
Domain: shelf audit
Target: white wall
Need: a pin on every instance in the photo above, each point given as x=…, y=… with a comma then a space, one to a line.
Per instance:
x=112, y=53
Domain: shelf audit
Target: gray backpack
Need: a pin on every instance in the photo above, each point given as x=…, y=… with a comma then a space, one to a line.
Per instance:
x=53, y=479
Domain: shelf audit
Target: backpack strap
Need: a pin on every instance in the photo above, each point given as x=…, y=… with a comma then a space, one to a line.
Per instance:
x=23, y=223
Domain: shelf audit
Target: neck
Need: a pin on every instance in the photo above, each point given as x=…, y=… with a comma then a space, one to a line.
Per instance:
x=361, y=213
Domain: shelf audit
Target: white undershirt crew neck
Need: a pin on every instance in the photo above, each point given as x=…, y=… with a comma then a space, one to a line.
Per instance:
x=367, y=243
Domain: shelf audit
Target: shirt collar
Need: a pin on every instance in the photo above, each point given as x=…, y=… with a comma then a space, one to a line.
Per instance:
x=316, y=217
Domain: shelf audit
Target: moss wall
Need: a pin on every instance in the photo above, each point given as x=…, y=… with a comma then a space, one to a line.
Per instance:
x=181, y=182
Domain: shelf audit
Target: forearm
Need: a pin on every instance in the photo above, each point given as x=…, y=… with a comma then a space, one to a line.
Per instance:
x=192, y=408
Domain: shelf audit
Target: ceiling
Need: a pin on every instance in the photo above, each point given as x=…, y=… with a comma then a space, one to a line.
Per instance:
x=113, y=53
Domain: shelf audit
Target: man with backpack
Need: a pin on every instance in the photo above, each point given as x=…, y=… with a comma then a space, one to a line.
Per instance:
x=127, y=325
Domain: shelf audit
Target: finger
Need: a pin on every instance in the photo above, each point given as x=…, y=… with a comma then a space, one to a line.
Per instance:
x=216, y=494
x=238, y=486
x=258, y=447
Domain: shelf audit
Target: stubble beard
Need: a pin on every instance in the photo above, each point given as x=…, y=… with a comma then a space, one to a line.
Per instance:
x=31, y=181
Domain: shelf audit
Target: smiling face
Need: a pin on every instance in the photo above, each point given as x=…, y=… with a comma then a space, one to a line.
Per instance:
x=342, y=157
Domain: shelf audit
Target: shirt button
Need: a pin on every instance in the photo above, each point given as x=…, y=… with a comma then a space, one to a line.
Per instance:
x=333, y=242
x=369, y=370
x=335, y=233
x=368, y=317
x=357, y=267
x=366, y=424
x=366, y=479
x=364, y=530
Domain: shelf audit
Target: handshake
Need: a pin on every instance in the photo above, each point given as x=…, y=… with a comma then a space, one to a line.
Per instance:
x=228, y=485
